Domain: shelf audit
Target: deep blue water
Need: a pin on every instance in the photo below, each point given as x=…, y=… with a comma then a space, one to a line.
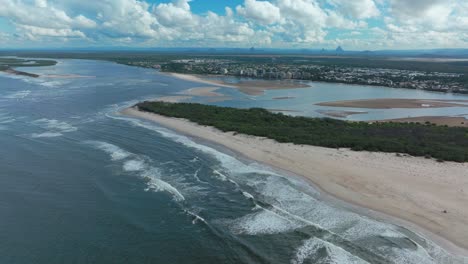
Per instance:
x=82, y=184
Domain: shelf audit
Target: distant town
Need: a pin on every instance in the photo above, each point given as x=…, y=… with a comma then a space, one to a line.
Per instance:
x=397, y=78
x=446, y=75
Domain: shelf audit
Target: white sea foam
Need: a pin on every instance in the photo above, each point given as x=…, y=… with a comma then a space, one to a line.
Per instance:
x=335, y=254
x=160, y=185
x=133, y=163
x=115, y=152
x=55, y=124
x=46, y=135
x=6, y=120
x=55, y=128
x=248, y=195
x=195, y=175
x=233, y=165
x=196, y=217
x=293, y=207
x=220, y=175
x=18, y=95
x=264, y=222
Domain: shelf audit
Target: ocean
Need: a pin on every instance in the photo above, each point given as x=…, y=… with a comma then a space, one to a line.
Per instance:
x=80, y=183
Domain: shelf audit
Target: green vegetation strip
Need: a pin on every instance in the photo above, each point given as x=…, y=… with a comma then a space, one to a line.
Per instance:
x=439, y=142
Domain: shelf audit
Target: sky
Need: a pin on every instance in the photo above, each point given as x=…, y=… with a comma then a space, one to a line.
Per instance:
x=312, y=24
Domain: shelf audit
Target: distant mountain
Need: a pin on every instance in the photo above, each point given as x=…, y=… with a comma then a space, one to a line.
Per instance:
x=339, y=49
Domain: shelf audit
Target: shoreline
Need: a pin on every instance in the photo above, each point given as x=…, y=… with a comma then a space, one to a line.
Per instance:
x=370, y=181
x=391, y=103
x=253, y=87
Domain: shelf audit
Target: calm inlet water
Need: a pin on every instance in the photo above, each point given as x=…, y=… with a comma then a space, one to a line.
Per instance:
x=81, y=184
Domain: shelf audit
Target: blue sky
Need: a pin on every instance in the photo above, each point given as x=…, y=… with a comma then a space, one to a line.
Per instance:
x=356, y=25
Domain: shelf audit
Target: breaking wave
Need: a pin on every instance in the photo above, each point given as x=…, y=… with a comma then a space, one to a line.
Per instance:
x=133, y=163
x=320, y=251
x=284, y=204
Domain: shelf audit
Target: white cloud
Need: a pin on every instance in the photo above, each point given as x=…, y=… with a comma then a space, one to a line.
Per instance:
x=359, y=9
x=285, y=23
x=262, y=11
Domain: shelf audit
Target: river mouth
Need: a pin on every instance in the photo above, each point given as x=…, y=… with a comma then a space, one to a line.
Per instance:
x=79, y=180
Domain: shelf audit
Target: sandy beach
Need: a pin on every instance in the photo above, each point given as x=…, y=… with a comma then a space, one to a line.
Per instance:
x=430, y=195
x=388, y=103
x=250, y=87
x=202, y=91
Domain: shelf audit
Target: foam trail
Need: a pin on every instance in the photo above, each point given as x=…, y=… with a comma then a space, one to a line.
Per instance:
x=55, y=125
x=115, y=152
x=18, y=95
x=160, y=185
x=46, y=135
x=56, y=128
x=195, y=175
x=136, y=164
x=293, y=205
x=264, y=222
x=195, y=216
x=230, y=163
x=6, y=120
x=335, y=254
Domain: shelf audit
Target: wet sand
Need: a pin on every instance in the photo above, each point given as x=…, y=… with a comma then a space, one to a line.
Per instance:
x=251, y=87
x=388, y=103
x=202, y=91
x=340, y=114
x=173, y=98
x=430, y=195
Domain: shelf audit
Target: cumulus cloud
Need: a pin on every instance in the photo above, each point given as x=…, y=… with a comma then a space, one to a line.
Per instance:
x=262, y=11
x=290, y=23
x=357, y=8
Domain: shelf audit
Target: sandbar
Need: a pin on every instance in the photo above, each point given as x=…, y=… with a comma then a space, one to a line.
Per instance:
x=250, y=87
x=388, y=103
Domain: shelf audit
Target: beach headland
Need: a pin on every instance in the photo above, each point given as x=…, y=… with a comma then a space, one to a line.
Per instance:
x=423, y=192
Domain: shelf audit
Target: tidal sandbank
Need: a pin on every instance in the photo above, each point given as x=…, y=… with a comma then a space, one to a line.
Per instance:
x=388, y=103
x=250, y=87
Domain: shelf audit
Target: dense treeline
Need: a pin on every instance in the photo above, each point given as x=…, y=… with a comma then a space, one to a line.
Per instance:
x=8, y=63
x=440, y=142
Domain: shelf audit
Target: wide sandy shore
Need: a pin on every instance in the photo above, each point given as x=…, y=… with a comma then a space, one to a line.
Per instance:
x=427, y=196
